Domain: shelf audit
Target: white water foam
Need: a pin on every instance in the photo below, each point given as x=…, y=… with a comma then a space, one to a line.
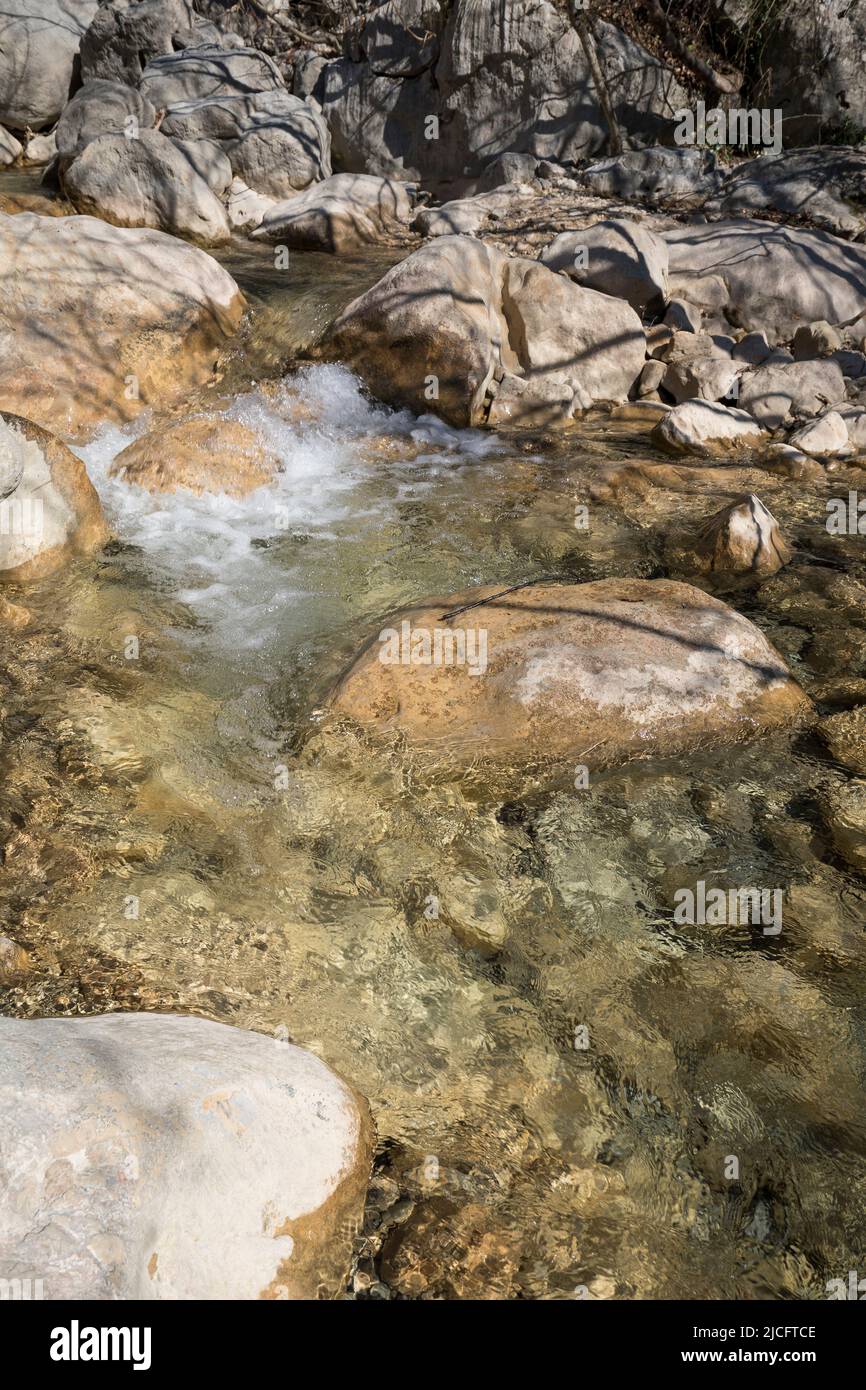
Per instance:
x=211, y=553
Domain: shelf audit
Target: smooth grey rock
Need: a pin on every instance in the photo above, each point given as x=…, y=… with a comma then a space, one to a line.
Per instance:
x=152, y=1156
x=283, y=156
x=704, y=427
x=774, y=395
x=39, y=41
x=752, y=349
x=506, y=169
x=400, y=38
x=617, y=257
x=827, y=184
x=10, y=148
x=195, y=73
x=462, y=315
x=657, y=173
x=816, y=68
x=822, y=438
x=102, y=107
x=683, y=317
x=339, y=214
x=466, y=216
x=209, y=161
x=815, y=340
x=777, y=278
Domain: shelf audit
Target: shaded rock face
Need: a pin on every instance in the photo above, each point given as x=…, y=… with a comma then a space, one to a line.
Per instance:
x=825, y=184
x=458, y=328
x=616, y=257
x=657, y=172
x=49, y=509
x=125, y=35
x=101, y=107
x=157, y=1156
x=281, y=158
x=496, y=79
x=817, y=68
x=39, y=41
x=776, y=278
x=145, y=182
x=276, y=143
x=208, y=72
x=137, y=318
x=599, y=673
x=202, y=454
x=339, y=214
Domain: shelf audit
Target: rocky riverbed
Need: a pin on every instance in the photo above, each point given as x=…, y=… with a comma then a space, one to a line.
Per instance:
x=432, y=675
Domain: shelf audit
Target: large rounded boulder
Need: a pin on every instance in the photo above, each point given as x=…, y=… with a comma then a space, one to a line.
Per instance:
x=135, y=318
x=478, y=337
x=596, y=673
x=155, y=1156
x=39, y=42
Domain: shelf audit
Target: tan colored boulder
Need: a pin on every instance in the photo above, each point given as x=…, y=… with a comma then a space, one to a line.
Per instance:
x=97, y=322
x=441, y=330
x=204, y=453
x=744, y=539
x=51, y=512
x=598, y=673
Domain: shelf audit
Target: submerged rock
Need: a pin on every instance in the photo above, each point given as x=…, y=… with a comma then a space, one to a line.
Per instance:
x=204, y=453
x=845, y=737
x=844, y=809
x=158, y=1156
x=458, y=324
x=135, y=318
x=599, y=673
x=49, y=508
x=742, y=538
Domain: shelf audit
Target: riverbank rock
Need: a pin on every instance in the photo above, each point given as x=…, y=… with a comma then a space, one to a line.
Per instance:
x=208, y=71
x=51, y=511
x=485, y=80
x=205, y=453
x=776, y=278
x=599, y=673
x=825, y=184
x=136, y=318
x=39, y=42
x=658, y=173
x=282, y=157
x=817, y=70
x=157, y=1156
x=775, y=395
x=125, y=35
x=339, y=214
x=10, y=148
x=458, y=326
x=705, y=427
x=146, y=182
x=616, y=257
x=99, y=108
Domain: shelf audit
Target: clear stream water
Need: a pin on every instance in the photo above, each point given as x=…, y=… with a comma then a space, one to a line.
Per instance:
x=559, y=1073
